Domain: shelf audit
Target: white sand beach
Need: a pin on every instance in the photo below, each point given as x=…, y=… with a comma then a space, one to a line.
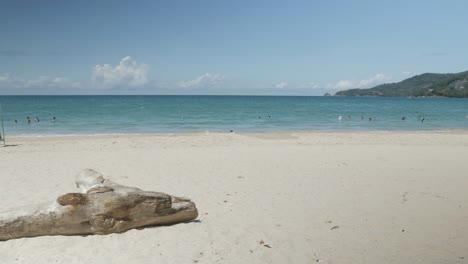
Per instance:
x=341, y=197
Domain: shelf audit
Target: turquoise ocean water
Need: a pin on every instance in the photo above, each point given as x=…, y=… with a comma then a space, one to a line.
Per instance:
x=175, y=114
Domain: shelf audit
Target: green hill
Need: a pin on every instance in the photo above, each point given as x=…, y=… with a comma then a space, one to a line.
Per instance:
x=427, y=84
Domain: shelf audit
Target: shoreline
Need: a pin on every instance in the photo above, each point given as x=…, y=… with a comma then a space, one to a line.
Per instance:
x=101, y=135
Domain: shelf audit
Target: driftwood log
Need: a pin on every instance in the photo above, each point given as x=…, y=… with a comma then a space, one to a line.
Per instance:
x=102, y=207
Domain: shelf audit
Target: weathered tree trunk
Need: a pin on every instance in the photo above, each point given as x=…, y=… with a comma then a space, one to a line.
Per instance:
x=102, y=207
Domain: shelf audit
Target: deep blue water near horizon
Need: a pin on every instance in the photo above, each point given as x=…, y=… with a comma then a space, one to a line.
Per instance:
x=175, y=114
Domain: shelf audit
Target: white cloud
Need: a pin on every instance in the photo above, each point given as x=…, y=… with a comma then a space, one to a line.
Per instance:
x=204, y=80
x=345, y=84
x=55, y=82
x=310, y=85
x=4, y=78
x=41, y=82
x=281, y=85
x=378, y=78
x=406, y=73
x=366, y=83
x=127, y=73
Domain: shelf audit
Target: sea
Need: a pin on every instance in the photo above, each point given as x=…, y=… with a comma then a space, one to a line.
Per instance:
x=90, y=115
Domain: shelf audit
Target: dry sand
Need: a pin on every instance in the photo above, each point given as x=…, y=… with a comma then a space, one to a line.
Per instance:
x=371, y=197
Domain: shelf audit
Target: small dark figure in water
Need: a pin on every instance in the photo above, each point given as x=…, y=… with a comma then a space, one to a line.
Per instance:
x=422, y=119
x=232, y=131
x=269, y=117
x=362, y=118
x=403, y=118
x=370, y=118
x=348, y=117
x=259, y=117
x=53, y=119
x=16, y=121
x=28, y=120
x=36, y=119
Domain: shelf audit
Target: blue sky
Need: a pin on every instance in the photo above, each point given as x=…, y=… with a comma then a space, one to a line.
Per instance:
x=225, y=47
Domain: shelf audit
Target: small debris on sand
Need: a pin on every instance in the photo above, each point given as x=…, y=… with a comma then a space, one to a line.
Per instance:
x=261, y=242
x=335, y=227
x=403, y=197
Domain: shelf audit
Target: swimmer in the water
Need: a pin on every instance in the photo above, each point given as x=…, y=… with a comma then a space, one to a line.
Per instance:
x=403, y=118
x=36, y=119
x=339, y=118
x=28, y=120
x=53, y=119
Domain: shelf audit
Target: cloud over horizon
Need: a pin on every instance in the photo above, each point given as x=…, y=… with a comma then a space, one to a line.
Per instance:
x=310, y=85
x=44, y=81
x=128, y=73
x=379, y=78
x=205, y=80
x=281, y=85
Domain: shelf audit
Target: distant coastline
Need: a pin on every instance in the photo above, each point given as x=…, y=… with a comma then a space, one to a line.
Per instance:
x=452, y=85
